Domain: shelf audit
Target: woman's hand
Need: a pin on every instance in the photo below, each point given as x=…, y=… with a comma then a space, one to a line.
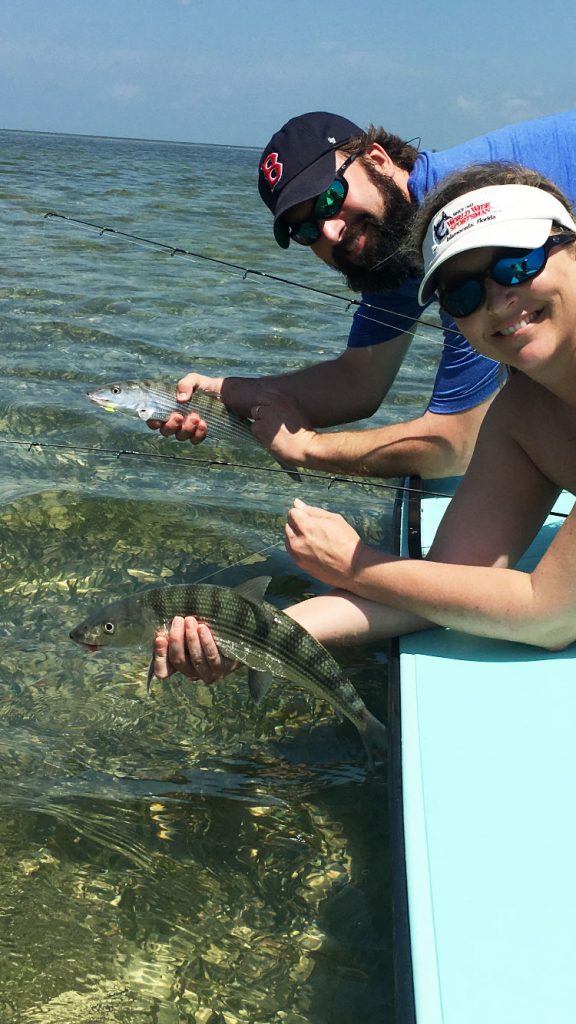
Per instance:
x=323, y=544
x=189, y=647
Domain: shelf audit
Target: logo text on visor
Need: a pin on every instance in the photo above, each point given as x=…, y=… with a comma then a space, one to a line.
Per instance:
x=450, y=224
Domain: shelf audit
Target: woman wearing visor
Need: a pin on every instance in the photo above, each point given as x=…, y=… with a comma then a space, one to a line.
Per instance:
x=499, y=249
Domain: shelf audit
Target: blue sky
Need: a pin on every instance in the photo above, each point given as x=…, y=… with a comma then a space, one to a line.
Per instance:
x=232, y=71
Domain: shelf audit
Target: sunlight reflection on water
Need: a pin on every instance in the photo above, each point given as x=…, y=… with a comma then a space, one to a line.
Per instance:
x=191, y=857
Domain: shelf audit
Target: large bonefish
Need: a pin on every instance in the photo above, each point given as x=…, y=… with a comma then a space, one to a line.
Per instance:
x=151, y=400
x=246, y=628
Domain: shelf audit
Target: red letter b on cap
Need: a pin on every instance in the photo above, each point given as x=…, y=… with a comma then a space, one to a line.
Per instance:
x=272, y=169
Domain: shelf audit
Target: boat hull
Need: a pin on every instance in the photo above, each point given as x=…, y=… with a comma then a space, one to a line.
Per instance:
x=483, y=765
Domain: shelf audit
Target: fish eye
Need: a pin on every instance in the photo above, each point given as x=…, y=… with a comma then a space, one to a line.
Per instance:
x=109, y=627
x=116, y=389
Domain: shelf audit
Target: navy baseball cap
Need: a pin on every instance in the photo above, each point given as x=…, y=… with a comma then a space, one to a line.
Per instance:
x=299, y=162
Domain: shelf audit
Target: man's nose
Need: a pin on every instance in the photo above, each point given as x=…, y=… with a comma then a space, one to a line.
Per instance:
x=332, y=229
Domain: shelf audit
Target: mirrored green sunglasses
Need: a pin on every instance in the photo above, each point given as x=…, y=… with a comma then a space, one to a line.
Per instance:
x=327, y=204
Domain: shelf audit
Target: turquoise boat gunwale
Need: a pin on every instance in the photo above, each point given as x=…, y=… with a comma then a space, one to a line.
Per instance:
x=482, y=770
x=405, y=519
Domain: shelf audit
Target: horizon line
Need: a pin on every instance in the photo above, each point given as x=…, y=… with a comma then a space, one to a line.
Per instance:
x=129, y=138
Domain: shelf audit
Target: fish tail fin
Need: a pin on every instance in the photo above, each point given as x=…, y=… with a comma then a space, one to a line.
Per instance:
x=374, y=735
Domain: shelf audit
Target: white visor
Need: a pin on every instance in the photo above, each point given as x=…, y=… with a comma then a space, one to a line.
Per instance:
x=509, y=216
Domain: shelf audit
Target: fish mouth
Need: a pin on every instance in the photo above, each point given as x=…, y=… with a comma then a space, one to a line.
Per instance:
x=85, y=644
x=104, y=403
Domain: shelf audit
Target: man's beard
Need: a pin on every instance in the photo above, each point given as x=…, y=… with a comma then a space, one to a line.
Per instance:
x=386, y=260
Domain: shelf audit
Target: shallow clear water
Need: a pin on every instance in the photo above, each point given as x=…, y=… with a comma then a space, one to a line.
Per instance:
x=189, y=857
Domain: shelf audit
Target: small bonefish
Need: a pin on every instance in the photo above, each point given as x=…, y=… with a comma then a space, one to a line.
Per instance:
x=151, y=400
x=246, y=628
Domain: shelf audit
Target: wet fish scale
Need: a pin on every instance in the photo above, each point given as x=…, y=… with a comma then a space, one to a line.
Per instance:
x=245, y=628
x=237, y=622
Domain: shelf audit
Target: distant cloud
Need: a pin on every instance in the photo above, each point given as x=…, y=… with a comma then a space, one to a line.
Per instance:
x=469, y=106
x=519, y=102
x=511, y=108
x=124, y=91
x=519, y=106
x=59, y=59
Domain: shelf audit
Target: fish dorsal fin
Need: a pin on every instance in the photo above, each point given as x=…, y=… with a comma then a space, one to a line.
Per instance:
x=254, y=589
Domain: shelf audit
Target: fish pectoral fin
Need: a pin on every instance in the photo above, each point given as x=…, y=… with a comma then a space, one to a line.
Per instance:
x=258, y=684
x=254, y=589
x=146, y=414
x=150, y=675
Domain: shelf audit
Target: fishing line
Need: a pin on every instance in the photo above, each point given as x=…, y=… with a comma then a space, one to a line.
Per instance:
x=250, y=272
x=241, y=561
x=328, y=478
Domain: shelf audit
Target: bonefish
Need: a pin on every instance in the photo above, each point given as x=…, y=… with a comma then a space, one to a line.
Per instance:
x=246, y=628
x=151, y=400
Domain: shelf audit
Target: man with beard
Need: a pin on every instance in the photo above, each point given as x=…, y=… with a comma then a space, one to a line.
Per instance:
x=350, y=195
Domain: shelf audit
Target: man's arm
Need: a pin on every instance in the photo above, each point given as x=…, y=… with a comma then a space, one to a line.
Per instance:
x=289, y=407
x=340, y=390
x=433, y=445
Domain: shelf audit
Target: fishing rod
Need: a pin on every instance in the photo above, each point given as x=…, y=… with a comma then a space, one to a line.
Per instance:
x=328, y=478
x=173, y=250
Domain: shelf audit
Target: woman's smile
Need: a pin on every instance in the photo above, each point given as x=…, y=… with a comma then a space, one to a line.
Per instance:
x=527, y=318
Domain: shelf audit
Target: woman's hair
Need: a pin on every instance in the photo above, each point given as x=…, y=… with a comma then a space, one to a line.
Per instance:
x=402, y=153
x=468, y=180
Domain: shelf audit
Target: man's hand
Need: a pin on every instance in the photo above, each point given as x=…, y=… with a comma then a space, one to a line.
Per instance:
x=190, y=427
x=282, y=427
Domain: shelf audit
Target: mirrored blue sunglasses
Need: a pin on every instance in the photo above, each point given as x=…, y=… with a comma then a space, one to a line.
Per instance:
x=464, y=297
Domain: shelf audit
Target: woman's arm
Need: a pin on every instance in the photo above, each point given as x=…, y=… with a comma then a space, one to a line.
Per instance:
x=468, y=581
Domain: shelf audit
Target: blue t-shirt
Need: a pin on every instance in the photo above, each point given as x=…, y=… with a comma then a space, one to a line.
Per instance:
x=464, y=377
